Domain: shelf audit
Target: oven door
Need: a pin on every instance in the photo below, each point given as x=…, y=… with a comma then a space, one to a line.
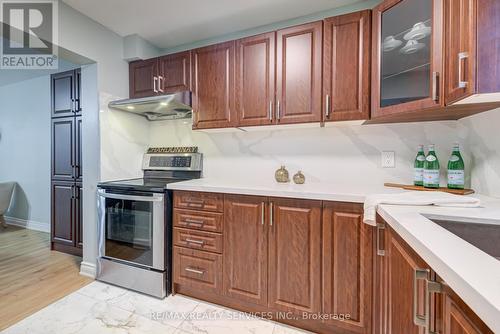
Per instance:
x=132, y=228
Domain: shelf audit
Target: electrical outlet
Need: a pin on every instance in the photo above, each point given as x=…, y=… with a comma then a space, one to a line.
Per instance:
x=388, y=159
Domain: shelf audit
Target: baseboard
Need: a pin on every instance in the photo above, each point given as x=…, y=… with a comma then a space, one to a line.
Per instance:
x=28, y=224
x=88, y=269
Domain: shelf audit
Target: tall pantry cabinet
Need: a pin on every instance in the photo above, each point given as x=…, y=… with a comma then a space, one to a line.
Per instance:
x=66, y=161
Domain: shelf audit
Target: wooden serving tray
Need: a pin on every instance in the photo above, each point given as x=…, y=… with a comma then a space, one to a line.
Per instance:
x=418, y=188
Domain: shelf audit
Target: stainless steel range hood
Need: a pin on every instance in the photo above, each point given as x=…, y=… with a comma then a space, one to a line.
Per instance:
x=158, y=108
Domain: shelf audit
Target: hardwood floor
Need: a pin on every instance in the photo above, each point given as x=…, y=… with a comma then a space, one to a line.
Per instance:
x=31, y=275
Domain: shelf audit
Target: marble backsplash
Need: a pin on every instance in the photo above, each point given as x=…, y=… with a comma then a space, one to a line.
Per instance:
x=336, y=154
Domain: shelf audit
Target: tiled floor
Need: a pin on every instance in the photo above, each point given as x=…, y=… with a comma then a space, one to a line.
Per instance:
x=101, y=308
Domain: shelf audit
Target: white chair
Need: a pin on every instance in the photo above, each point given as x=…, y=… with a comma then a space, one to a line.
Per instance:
x=6, y=190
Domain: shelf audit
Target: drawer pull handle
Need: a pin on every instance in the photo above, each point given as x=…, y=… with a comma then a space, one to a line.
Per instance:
x=197, y=242
x=193, y=222
x=194, y=201
x=194, y=271
x=196, y=205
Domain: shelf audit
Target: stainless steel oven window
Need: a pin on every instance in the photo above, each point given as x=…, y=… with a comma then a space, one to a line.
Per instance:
x=132, y=228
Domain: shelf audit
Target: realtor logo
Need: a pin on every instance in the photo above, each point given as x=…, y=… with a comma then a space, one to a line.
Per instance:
x=30, y=34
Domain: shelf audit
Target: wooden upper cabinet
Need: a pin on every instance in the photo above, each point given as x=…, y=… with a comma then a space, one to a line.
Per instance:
x=299, y=74
x=295, y=255
x=346, y=67
x=175, y=73
x=245, y=248
x=143, y=78
x=255, y=84
x=213, y=86
x=460, y=41
x=407, y=69
x=347, y=266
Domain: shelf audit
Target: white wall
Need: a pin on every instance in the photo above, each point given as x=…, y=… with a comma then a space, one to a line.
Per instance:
x=101, y=137
x=483, y=136
x=25, y=147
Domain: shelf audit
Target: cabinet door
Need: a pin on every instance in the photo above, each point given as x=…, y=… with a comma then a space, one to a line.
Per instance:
x=63, y=213
x=213, y=86
x=295, y=255
x=143, y=78
x=78, y=220
x=175, y=73
x=63, y=94
x=245, y=248
x=347, y=266
x=407, y=59
x=299, y=73
x=63, y=147
x=460, y=42
x=255, y=59
x=346, y=61
x=458, y=318
x=401, y=265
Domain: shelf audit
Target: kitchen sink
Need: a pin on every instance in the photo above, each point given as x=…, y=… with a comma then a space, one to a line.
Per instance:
x=484, y=236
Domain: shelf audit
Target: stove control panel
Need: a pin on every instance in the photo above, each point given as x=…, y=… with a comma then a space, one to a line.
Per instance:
x=185, y=161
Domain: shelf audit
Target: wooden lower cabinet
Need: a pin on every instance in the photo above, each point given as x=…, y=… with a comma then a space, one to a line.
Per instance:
x=398, y=272
x=295, y=255
x=289, y=259
x=347, y=267
x=198, y=269
x=246, y=249
x=454, y=316
x=402, y=280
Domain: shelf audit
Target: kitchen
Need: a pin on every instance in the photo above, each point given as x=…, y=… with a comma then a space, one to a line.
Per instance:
x=298, y=93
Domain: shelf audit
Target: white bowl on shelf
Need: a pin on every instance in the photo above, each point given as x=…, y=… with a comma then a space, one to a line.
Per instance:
x=390, y=43
x=419, y=31
x=412, y=46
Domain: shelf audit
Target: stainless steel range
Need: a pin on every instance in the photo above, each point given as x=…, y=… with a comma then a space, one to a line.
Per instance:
x=135, y=223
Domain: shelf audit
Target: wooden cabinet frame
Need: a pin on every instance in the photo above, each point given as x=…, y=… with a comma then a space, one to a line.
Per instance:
x=436, y=80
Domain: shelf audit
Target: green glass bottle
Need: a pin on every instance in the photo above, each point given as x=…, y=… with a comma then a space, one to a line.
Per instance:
x=431, y=169
x=456, y=169
x=418, y=178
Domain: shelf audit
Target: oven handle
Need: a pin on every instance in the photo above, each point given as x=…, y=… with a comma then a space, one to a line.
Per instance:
x=154, y=198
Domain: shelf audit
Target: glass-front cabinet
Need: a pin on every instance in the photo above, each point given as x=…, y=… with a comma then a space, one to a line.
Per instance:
x=407, y=56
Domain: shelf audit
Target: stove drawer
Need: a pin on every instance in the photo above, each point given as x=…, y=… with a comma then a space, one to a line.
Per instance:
x=197, y=269
x=210, y=242
x=199, y=201
x=198, y=220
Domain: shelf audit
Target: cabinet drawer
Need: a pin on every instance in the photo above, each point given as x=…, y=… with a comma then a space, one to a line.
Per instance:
x=210, y=242
x=197, y=269
x=199, y=220
x=199, y=201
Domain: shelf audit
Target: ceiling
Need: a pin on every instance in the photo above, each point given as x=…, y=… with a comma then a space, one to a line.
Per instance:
x=169, y=23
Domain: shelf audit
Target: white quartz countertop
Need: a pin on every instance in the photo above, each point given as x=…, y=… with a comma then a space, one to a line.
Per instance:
x=471, y=273
x=310, y=190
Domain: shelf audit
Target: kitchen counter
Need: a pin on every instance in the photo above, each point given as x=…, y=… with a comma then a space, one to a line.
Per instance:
x=471, y=273
x=310, y=190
